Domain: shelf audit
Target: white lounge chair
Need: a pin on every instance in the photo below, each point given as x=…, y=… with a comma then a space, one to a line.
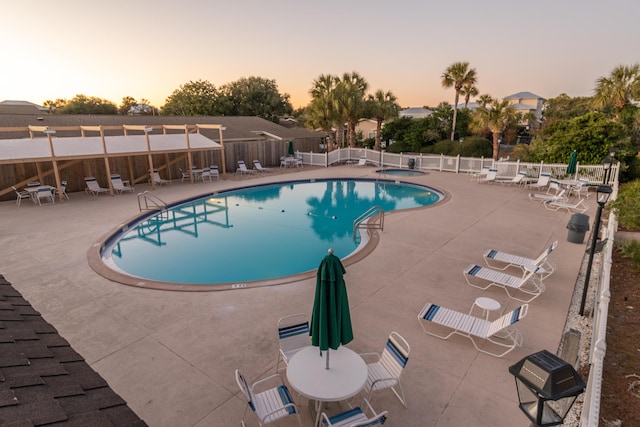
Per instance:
x=120, y=186
x=542, y=182
x=479, y=175
x=356, y=417
x=24, y=194
x=579, y=206
x=257, y=166
x=63, y=187
x=362, y=161
x=545, y=197
x=385, y=372
x=158, y=180
x=242, y=168
x=499, y=333
x=490, y=177
x=269, y=405
x=516, y=180
x=503, y=260
x=93, y=187
x=530, y=284
x=293, y=335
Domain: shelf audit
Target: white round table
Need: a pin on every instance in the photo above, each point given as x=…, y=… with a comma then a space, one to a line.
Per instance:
x=308, y=375
x=486, y=305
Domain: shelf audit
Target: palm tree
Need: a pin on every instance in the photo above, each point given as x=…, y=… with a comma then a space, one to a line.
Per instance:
x=468, y=90
x=351, y=101
x=322, y=112
x=382, y=107
x=484, y=100
x=458, y=75
x=618, y=90
x=498, y=117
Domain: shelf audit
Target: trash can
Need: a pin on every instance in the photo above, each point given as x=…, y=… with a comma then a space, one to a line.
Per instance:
x=411, y=163
x=578, y=226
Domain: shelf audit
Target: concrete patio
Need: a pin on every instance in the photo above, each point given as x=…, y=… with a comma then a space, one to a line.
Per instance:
x=172, y=355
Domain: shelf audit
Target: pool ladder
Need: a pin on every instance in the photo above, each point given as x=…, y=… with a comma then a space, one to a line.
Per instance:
x=147, y=201
x=373, y=218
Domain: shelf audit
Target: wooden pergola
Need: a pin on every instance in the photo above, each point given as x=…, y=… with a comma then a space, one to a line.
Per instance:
x=136, y=140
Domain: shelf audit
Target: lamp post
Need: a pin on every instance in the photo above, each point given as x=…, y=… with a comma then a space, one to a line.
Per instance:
x=547, y=388
x=606, y=166
x=603, y=192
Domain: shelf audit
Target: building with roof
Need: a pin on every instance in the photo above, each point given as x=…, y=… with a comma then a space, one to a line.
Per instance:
x=415, y=113
x=527, y=102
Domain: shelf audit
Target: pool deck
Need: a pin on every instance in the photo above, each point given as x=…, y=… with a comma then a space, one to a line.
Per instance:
x=172, y=355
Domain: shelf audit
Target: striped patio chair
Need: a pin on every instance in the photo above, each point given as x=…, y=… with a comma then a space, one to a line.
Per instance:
x=529, y=284
x=385, y=372
x=293, y=335
x=500, y=332
x=503, y=260
x=355, y=417
x=269, y=405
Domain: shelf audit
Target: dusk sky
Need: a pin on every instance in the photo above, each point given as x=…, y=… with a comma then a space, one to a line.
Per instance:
x=148, y=49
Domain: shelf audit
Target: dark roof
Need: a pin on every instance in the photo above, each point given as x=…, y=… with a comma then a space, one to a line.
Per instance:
x=43, y=381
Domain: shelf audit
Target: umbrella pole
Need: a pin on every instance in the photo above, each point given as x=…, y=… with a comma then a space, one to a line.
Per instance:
x=328, y=351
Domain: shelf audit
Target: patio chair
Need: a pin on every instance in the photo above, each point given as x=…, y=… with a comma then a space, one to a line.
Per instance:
x=362, y=161
x=242, y=168
x=542, y=182
x=120, y=186
x=503, y=260
x=215, y=172
x=385, y=372
x=293, y=335
x=24, y=194
x=159, y=180
x=356, y=417
x=475, y=176
x=579, y=206
x=517, y=180
x=257, y=166
x=206, y=175
x=63, y=188
x=93, y=187
x=283, y=162
x=299, y=162
x=526, y=284
x=45, y=194
x=490, y=177
x=545, y=197
x=499, y=333
x=269, y=405
x=580, y=189
x=184, y=175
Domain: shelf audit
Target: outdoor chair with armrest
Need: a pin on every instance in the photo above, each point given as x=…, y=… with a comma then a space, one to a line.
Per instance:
x=242, y=168
x=24, y=194
x=120, y=186
x=356, y=417
x=503, y=260
x=579, y=206
x=293, y=335
x=542, y=182
x=93, y=187
x=530, y=285
x=258, y=166
x=159, y=180
x=45, y=193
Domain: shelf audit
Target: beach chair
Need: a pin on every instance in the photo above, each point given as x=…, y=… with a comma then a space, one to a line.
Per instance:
x=529, y=284
x=242, y=168
x=257, y=166
x=356, y=417
x=516, y=180
x=24, y=194
x=385, y=372
x=542, y=182
x=579, y=206
x=545, y=197
x=362, y=162
x=500, y=334
x=475, y=176
x=293, y=335
x=158, y=180
x=503, y=260
x=490, y=177
x=269, y=405
x=93, y=187
x=120, y=186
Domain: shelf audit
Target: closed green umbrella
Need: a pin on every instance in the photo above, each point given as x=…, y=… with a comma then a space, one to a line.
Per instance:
x=290, y=149
x=573, y=162
x=330, y=319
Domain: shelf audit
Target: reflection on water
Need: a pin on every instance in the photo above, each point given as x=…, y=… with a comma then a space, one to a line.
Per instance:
x=258, y=233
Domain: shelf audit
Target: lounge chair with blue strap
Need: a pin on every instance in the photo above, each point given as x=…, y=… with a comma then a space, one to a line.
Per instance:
x=503, y=260
x=293, y=335
x=529, y=284
x=500, y=333
x=579, y=206
x=269, y=405
x=385, y=372
x=356, y=417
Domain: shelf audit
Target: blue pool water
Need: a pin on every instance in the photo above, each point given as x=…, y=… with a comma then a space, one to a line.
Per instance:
x=255, y=233
x=400, y=172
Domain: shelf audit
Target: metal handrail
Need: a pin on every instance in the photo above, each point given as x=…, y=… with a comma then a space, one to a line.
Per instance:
x=151, y=202
x=362, y=220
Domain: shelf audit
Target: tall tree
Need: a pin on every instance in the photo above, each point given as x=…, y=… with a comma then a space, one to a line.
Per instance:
x=484, y=100
x=192, y=99
x=497, y=117
x=382, y=107
x=619, y=89
x=82, y=104
x=458, y=75
x=469, y=90
x=127, y=103
x=351, y=101
x=322, y=112
x=254, y=96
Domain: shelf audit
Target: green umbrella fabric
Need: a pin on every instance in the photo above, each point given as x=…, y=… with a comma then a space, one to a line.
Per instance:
x=573, y=162
x=290, y=149
x=330, y=319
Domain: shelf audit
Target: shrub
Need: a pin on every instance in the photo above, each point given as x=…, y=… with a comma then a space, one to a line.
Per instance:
x=399, y=147
x=631, y=250
x=627, y=205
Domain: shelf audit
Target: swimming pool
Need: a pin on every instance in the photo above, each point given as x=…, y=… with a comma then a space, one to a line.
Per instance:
x=255, y=233
x=400, y=172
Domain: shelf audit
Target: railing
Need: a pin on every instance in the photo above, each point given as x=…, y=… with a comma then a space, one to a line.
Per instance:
x=147, y=201
x=366, y=220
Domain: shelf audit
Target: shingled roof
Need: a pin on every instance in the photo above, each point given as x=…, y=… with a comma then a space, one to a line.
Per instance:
x=43, y=381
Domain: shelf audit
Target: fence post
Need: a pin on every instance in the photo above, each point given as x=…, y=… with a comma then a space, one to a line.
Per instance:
x=458, y=164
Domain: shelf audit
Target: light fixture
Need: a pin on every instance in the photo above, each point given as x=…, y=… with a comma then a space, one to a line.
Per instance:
x=606, y=167
x=49, y=131
x=147, y=130
x=547, y=387
x=603, y=192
